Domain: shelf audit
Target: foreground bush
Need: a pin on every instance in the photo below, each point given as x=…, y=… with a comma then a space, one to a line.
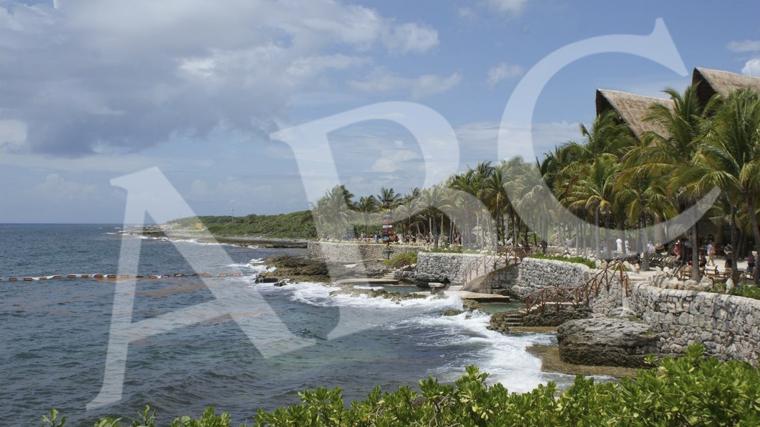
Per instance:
x=692, y=390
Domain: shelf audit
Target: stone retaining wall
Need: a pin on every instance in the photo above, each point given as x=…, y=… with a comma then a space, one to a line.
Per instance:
x=726, y=325
x=436, y=266
x=535, y=274
x=531, y=275
x=350, y=252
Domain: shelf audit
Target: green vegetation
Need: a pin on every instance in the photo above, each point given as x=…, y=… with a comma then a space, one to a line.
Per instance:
x=612, y=179
x=402, y=260
x=294, y=225
x=746, y=290
x=573, y=259
x=693, y=390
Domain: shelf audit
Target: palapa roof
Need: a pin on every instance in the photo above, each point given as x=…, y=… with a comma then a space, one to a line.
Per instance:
x=632, y=109
x=709, y=82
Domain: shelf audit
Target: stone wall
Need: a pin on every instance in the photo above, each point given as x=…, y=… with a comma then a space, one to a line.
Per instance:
x=437, y=267
x=726, y=325
x=351, y=252
x=535, y=274
x=529, y=276
x=609, y=298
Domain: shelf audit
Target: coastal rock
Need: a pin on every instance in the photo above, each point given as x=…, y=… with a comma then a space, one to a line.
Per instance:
x=606, y=342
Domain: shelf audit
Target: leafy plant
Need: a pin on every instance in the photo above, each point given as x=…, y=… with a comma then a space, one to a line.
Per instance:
x=573, y=259
x=747, y=290
x=402, y=260
x=692, y=390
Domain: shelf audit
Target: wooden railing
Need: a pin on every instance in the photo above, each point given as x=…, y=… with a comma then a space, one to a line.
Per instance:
x=558, y=296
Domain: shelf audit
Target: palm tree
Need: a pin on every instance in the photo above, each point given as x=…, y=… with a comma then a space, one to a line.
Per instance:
x=642, y=199
x=366, y=205
x=595, y=191
x=388, y=198
x=730, y=158
x=668, y=154
x=331, y=213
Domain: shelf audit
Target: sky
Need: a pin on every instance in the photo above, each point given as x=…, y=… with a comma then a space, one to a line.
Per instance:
x=94, y=90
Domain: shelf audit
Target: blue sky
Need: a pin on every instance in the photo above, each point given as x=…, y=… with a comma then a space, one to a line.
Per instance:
x=90, y=91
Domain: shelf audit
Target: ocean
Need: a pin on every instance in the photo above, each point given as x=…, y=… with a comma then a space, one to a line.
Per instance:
x=54, y=334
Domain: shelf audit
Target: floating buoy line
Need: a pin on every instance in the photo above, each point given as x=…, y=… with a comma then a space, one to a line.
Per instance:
x=117, y=277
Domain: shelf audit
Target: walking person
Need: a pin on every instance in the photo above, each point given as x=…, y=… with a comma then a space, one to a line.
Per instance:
x=710, y=251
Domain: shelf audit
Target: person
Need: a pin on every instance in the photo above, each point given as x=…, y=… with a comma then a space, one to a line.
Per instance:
x=677, y=250
x=751, y=258
x=544, y=245
x=729, y=250
x=619, y=245
x=710, y=251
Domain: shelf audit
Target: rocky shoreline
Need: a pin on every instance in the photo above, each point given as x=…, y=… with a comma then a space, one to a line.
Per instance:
x=258, y=241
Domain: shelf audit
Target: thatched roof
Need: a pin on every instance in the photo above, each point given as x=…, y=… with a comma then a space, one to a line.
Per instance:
x=632, y=108
x=709, y=82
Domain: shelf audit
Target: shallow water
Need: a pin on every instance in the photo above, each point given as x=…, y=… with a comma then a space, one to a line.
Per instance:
x=54, y=335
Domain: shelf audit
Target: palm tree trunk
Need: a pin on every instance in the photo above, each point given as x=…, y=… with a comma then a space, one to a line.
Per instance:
x=643, y=245
x=755, y=232
x=694, y=253
x=734, y=244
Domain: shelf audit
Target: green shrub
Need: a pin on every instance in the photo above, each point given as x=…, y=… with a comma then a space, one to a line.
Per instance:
x=402, y=260
x=573, y=259
x=746, y=290
x=692, y=390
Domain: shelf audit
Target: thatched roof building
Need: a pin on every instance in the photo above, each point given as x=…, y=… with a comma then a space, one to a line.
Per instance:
x=632, y=109
x=710, y=82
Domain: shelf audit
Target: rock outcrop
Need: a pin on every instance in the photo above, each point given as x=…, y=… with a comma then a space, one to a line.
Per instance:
x=606, y=342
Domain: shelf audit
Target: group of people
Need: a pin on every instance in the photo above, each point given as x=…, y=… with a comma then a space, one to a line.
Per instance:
x=682, y=249
x=410, y=238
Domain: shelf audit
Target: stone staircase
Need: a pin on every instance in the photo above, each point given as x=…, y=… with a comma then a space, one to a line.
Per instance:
x=502, y=322
x=388, y=276
x=513, y=318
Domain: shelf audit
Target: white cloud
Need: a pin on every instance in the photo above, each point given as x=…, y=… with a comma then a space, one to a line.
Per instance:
x=84, y=74
x=511, y=7
x=752, y=67
x=502, y=72
x=410, y=38
x=743, y=46
x=466, y=13
x=56, y=187
x=422, y=86
x=391, y=161
x=481, y=139
x=314, y=65
x=12, y=133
